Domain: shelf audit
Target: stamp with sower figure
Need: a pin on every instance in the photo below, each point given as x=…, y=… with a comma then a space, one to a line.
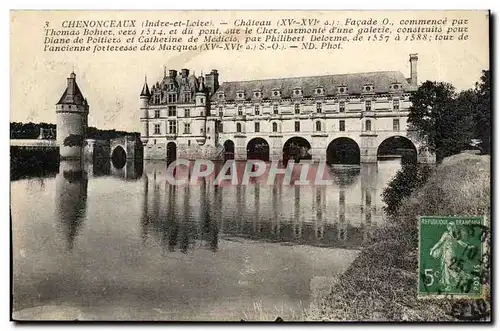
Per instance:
x=452, y=257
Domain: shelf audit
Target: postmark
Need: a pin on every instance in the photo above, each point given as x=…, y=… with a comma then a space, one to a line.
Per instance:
x=452, y=257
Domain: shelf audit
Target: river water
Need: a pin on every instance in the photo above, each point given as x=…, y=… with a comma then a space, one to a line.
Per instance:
x=97, y=242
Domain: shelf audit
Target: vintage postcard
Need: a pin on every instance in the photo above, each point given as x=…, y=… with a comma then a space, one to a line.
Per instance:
x=250, y=166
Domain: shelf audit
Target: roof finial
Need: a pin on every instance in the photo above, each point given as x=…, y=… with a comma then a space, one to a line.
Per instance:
x=202, y=73
x=145, y=78
x=164, y=71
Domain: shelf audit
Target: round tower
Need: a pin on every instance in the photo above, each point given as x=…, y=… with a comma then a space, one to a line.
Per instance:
x=145, y=95
x=200, y=111
x=72, y=115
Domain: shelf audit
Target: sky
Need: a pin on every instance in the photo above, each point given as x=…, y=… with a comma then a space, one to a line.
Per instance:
x=112, y=82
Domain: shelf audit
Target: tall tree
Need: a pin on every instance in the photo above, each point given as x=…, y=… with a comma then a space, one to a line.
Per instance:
x=441, y=117
x=482, y=116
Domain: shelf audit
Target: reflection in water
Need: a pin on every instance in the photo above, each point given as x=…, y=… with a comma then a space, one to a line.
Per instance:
x=133, y=239
x=71, y=198
x=192, y=216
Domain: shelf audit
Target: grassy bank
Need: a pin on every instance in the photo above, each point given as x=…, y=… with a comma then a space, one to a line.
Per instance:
x=381, y=284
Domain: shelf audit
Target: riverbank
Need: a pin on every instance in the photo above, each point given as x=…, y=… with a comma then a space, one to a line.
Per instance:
x=381, y=284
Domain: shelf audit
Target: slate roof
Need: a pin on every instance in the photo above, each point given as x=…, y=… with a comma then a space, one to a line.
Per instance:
x=381, y=82
x=145, y=90
x=72, y=99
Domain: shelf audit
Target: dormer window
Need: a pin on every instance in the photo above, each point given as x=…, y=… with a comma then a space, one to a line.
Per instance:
x=220, y=96
x=172, y=86
x=368, y=88
x=342, y=89
x=240, y=94
x=276, y=93
x=257, y=94
x=395, y=87
x=319, y=91
x=297, y=92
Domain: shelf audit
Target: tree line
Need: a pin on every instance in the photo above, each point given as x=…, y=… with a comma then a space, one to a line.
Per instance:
x=451, y=121
x=31, y=130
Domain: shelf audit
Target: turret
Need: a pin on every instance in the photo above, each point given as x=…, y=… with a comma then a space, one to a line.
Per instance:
x=72, y=117
x=144, y=97
x=201, y=112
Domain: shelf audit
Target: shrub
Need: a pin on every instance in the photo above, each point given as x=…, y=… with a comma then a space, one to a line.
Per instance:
x=405, y=182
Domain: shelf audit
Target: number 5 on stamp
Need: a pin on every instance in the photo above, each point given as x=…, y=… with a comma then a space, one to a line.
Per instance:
x=451, y=257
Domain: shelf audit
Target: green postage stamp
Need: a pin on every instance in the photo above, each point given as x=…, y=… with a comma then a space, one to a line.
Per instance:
x=451, y=252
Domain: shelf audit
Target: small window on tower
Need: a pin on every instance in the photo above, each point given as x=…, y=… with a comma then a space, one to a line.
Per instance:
x=319, y=107
x=395, y=104
x=275, y=109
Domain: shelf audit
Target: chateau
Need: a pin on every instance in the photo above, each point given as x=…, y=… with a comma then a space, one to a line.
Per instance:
x=345, y=118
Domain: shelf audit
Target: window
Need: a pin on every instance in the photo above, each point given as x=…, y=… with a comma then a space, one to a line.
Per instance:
x=257, y=94
x=157, y=128
x=187, y=128
x=202, y=113
x=319, y=107
x=187, y=112
x=240, y=111
x=318, y=125
x=220, y=95
x=275, y=109
x=257, y=110
x=238, y=127
x=297, y=126
x=221, y=113
x=395, y=125
x=172, y=98
x=395, y=104
x=275, y=127
x=368, y=125
x=172, y=111
x=189, y=142
x=240, y=95
x=297, y=108
x=157, y=113
x=221, y=128
x=202, y=100
x=172, y=127
x=368, y=105
x=342, y=106
x=341, y=125
x=187, y=97
x=257, y=127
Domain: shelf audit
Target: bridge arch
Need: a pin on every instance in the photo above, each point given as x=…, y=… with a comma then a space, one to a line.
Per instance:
x=297, y=148
x=228, y=150
x=398, y=146
x=258, y=148
x=343, y=150
x=118, y=157
x=171, y=152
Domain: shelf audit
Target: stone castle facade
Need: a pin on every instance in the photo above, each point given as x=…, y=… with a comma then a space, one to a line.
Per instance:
x=189, y=117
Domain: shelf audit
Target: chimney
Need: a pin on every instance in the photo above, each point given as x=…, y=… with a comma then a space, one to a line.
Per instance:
x=71, y=84
x=172, y=73
x=212, y=81
x=185, y=73
x=413, y=69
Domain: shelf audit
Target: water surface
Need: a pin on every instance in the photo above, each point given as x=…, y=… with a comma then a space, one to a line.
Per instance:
x=97, y=242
